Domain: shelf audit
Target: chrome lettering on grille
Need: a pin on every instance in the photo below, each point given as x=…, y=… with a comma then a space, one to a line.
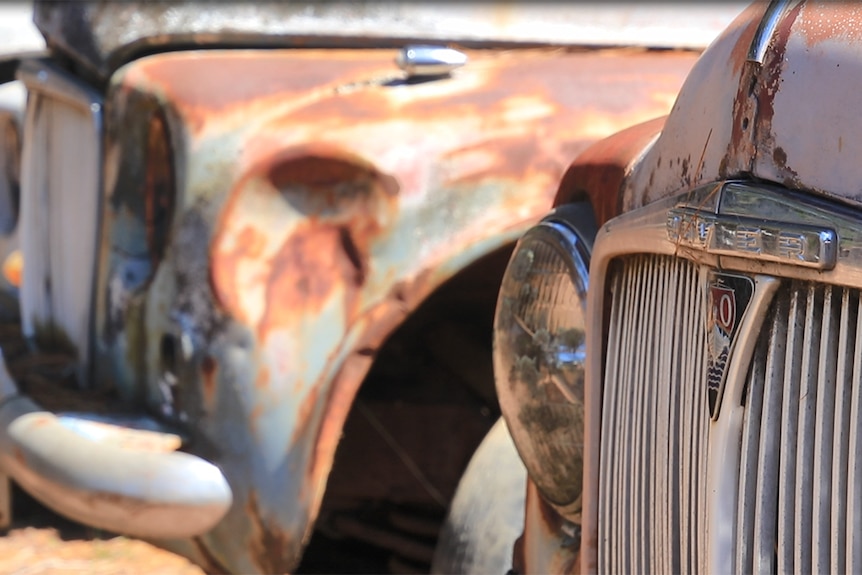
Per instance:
x=728, y=297
x=785, y=242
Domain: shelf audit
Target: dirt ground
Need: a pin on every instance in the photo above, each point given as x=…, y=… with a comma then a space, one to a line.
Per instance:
x=42, y=543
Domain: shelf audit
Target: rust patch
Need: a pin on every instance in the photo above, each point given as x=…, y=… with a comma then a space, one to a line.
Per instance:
x=159, y=190
x=308, y=269
x=599, y=172
x=13, y=268
x=339, y=201
x=780, y=157
x=509, y=158
x=741, y=140
x=740, y=150
x=764, y=92
x=208, y=379
x=227, y=262
x=354, y=255
x=207, y=83
x=262, y=379
x=251, y=242
x=254, y=415
x=770, y=78
x=273, y=550
x=207, y=560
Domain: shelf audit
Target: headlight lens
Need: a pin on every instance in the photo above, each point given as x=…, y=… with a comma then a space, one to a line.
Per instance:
x=539, y=357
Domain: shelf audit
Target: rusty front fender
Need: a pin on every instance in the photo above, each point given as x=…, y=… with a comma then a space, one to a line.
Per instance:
x=320, y=198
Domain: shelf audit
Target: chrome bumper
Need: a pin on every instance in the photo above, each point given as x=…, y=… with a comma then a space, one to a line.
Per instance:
x=106, y=474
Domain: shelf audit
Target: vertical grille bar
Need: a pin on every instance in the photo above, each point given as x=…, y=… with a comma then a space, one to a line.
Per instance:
x=824, y=419
x=654, y=421
x=745, y=555
x=805, y=446
x=797, y=510
x=854, y=458
x=841, y=438
x=789, y=426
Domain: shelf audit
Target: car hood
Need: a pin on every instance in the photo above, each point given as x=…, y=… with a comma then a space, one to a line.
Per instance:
x=102, y=35
x=792, y=118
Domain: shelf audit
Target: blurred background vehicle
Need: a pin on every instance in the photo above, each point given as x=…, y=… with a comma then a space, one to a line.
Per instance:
x=259, y=253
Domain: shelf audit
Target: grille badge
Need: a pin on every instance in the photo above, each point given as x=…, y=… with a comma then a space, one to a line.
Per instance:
x=731, y=235
x=729, y=296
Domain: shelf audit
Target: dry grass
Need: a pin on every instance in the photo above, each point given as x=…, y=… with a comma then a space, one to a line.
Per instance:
x=42, y=551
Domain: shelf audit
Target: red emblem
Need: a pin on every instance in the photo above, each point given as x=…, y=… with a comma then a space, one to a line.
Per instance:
x=723, y=308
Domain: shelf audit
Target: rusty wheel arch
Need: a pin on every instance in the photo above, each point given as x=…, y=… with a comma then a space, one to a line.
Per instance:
x=418, y=415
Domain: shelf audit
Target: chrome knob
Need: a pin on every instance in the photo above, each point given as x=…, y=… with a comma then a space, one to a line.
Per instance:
x=429, y=60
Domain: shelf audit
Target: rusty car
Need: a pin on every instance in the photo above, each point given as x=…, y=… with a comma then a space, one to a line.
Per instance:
x=252, y=251
x=678, y=352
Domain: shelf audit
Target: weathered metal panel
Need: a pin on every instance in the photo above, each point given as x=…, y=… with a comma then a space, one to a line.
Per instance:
x=703, y=138
x=600, y=172
x=790, y=119
x=321, y=197
x=104, y=34
x=808, y=126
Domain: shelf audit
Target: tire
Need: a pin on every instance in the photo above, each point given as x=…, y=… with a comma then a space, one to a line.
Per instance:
x=487, y=513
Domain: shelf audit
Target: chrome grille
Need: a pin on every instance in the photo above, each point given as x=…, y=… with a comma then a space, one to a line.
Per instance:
x=797, y=511
x=653, y=466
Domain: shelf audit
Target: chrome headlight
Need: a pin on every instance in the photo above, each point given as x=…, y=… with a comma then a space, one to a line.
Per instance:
x=539, y=355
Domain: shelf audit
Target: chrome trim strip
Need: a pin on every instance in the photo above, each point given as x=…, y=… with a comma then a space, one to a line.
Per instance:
x=766, y=29
x=47, y=81
x=574, y=227
x=784, y=242
x=40, y=76
x=696, y=225
x=429, y=60
x=724, y=449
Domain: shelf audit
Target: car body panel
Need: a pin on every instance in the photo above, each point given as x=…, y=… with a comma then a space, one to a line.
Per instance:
x=764, y=109
x=321, y=197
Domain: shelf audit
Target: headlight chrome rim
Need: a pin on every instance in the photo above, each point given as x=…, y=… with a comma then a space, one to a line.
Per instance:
x=552, y=334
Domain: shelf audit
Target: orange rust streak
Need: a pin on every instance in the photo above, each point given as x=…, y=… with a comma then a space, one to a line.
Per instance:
x=273, y=549
x=13, y=268
x=229, y=86
x=306, y=272
x=262, y=379
x=499, y=87
x=213, y=81
x=339, y=205
x=599, y=172
x=252, y=242
x=208, y=379
x=227, y=262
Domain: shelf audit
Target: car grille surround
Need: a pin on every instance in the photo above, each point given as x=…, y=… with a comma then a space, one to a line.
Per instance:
x=797, y=507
